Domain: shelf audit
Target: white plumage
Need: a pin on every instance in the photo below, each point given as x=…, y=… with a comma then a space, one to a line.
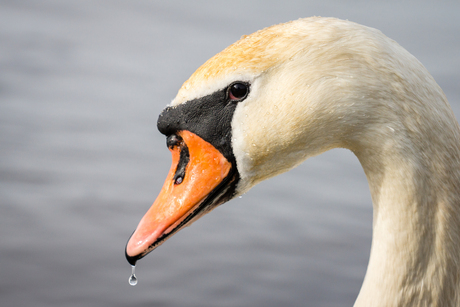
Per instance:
x=322, y=83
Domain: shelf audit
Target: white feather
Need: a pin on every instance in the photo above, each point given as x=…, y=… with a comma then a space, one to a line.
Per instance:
x=322, y=83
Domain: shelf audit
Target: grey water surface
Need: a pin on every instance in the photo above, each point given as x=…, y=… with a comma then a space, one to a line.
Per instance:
x=81, y=86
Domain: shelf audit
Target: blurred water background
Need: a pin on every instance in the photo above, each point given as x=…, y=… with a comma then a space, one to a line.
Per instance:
x=81, y=161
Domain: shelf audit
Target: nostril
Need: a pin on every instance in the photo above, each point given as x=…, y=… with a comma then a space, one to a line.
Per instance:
x=184, y=158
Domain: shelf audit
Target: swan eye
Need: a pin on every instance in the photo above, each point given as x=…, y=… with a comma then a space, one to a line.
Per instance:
x=238, y=91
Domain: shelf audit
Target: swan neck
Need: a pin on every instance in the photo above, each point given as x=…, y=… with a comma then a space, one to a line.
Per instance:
x=415, y=188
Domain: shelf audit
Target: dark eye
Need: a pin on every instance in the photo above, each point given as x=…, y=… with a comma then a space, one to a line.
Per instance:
x=238, y=91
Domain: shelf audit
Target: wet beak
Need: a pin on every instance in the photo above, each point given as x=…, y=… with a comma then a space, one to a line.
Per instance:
x=197, y=169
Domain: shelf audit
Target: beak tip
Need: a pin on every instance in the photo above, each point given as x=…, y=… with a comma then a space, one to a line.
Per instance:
x=132, y=259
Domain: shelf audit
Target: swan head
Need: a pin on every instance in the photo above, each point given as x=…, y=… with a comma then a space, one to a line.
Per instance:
x=264, y=105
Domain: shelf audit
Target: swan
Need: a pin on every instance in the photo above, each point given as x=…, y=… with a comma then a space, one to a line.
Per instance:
x=294, y=90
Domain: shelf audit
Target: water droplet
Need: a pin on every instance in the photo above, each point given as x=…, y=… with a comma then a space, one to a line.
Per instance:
x=133, y=279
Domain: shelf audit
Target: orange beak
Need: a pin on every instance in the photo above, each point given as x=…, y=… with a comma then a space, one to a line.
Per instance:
x=197, y=169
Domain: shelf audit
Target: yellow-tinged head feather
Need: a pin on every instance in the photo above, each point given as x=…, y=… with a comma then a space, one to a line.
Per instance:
x=252, y=54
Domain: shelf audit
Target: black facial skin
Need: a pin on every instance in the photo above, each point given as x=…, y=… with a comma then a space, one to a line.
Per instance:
x=210, y=118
